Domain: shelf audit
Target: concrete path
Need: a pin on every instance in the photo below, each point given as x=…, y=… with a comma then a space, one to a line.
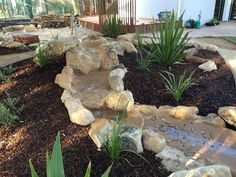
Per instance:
x=14, y=58
x=224, y=29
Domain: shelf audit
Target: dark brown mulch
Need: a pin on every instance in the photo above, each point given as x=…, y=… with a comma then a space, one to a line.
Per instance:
x=213, y=90
x=6, y=50
x=43, y=116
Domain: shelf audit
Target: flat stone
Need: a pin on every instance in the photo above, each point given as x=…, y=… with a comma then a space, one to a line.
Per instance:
x=179, y=112
x=228, y=113
x=208, y=66
x=206, y=171
x=212, y=119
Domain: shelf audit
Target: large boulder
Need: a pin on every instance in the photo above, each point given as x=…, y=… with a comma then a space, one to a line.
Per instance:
x=85, y=60
x=65, y=79
x=120, y=101
x=153, y=141
x=179, y=112
x=77, y=112
x=206, y=171
x=228, y=113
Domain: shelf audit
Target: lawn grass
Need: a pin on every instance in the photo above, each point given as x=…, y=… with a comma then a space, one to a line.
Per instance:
x=231, y=38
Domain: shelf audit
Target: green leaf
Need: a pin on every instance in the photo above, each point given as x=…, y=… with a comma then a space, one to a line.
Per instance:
x=107, y=172
x=33, y=172
x=88, y=171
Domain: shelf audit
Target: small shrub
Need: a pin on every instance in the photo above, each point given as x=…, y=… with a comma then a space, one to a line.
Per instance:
x=113, y=27
x=6, y=74
x=172, y=42
x=9, y=111
x=175, y=86
x=144, y=56
x=41, y=56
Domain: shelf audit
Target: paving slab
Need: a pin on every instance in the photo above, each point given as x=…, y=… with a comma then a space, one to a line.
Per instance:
x=14, y=58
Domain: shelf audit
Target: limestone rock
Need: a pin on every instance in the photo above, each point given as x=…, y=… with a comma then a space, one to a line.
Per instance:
x=191, y=51
x=132, y=138
x=211, y=47
x=212, y=119
x=127, y=46
x=228, y=113
x=116, y=83
x=207, y=171
x=29, y=29
x=153, y=141
x=118, y=72
x=120, y=101
x=65, y=79
x=127, y=37
x=146, y=109
x=56, y=49
x=179, y=112
x=100, y=131
x=92, y=43
x=77, y=113
x=115, y=79
x=109, y=58
x=175, y=160
x=2, y=36
x=94, y=99
x=208, y=66
x=85, y=60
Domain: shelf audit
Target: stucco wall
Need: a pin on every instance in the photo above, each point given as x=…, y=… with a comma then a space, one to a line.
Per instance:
x=193, y=8
x=150, y=8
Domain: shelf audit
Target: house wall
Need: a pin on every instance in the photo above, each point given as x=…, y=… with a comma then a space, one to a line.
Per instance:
x=193, y=8
x=226, y=12
x=150, y=8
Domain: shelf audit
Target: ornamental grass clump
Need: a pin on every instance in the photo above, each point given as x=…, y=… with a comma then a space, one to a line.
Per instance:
x=177, y=86
x=144, y=57
x=41, y=56
x=6, y=74
x=113, y=27
x=171, y=41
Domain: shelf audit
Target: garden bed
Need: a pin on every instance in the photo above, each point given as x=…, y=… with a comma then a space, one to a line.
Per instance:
x=42, y=117
x=213, y=90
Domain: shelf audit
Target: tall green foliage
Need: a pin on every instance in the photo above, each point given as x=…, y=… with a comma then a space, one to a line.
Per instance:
x=172, y=41
x=113, y=27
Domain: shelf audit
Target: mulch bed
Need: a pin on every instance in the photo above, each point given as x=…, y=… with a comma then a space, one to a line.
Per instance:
x=213, y=90
x=43, y=116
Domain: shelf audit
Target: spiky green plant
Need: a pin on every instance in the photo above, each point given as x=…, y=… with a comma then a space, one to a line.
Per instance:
x=171, y=41
x=113, y=27
x=177, y=86
x=54, y=167
x=144, y=58
x=89, y=168
x=41, y=56
x=55, y=36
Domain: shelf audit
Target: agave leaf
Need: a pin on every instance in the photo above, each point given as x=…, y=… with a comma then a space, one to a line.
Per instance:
x=107, y=172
